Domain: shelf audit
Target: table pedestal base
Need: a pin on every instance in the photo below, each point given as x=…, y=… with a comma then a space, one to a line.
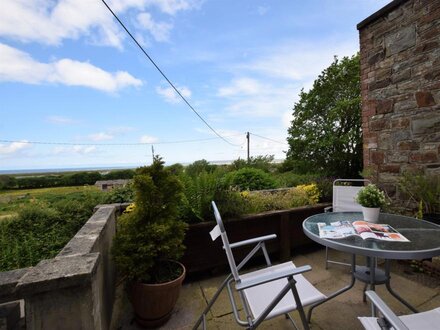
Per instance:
x=371, y=276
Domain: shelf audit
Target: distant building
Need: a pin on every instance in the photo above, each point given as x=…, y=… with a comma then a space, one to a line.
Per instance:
x=106, y=185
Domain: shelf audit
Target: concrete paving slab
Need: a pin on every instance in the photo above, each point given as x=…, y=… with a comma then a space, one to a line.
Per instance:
x=339, y=313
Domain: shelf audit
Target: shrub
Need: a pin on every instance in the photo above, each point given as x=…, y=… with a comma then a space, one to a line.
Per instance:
x=120, y=195
x=264, y=163
x=250, y=179
x=200, y=190
x=423, y=189
x=282, y=199
x=371, y=196
x=198, y=167
x=42, y=228
x=152, y=234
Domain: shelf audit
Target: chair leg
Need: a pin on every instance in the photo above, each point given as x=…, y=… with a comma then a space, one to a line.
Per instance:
x=291, y=320
x=299, y=305
x=326, y=257
x=202, y=318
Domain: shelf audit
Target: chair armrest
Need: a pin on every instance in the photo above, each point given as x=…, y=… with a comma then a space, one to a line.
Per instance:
x=328, y=209
x=252, y=241
x=387, y=313
x=271, y=276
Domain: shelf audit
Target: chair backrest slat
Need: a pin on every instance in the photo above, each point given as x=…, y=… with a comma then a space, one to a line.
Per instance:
x=225, y=241
x=344, y=195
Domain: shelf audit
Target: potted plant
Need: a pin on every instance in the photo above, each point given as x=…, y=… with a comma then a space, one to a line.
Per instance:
x=148, y=241
x=371, y=198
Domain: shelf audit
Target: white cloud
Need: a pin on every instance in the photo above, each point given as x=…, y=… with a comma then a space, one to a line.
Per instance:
x=297, y=60
x=148, y=139
x=239, y=86
x=287, y=119
x=262, y=10
x=249, y=97
x=16, y=65
x=13, y=147
x=101, y=136
x=171, y=7
x=69, y=150
x=50, y=22
x=170, y=95
x=60, y=120
x=159, y=30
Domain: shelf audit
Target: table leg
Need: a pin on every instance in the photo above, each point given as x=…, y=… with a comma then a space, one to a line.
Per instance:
x=390, y=290
x=337, y=293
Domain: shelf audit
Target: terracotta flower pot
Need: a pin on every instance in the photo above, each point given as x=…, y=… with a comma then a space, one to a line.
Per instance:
x=153, y=303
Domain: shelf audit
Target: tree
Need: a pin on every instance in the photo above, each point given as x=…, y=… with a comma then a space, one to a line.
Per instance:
x=198, y=167
x=325, y=136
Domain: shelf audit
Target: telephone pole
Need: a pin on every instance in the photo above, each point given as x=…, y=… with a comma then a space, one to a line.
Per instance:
x=247, y=137
x=152, y=151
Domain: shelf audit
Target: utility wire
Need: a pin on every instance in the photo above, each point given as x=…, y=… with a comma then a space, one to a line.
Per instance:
x=111, y=144
x=163, y=75
x=266, y=138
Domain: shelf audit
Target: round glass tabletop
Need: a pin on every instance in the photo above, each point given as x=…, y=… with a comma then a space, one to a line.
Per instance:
x=423, y=236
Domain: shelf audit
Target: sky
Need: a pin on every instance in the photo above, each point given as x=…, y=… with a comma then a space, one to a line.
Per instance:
x=76, y=91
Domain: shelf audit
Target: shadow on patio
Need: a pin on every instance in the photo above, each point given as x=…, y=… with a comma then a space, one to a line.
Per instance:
x=422, y=291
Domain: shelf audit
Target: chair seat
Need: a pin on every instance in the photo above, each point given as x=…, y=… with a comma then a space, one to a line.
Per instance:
x=418, y=321
x=260, y=296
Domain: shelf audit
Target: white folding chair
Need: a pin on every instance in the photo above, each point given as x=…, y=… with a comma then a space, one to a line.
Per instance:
x=264, y=293
x=389, y=320
x=344, y=193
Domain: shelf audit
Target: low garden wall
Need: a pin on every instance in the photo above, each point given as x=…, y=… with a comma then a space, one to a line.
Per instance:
x=203, y=254
x=75, y=290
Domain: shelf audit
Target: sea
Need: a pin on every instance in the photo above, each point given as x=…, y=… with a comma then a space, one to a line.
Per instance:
x=66, y=169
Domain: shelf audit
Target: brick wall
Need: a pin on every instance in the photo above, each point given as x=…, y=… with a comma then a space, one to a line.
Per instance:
x=400, y=82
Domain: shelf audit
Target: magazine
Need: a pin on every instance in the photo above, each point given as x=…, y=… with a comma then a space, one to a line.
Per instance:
x=363, y=229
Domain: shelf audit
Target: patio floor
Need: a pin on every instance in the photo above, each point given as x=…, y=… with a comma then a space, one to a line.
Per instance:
x=422, y=291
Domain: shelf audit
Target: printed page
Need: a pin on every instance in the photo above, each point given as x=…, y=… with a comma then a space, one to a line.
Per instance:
x=378, y=231
x=339, y=229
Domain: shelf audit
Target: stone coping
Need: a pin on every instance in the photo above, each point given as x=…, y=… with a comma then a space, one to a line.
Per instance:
x=58, y=273
x=380, y=13
x=75, y=265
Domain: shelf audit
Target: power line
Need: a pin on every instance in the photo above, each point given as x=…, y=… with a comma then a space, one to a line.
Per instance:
x=163, y=75
x=269, y=139
x=113, y=144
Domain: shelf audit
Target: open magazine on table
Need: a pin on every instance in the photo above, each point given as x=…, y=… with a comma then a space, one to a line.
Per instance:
x=363, y=229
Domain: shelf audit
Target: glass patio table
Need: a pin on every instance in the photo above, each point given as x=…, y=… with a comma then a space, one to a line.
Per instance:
x=424, y=242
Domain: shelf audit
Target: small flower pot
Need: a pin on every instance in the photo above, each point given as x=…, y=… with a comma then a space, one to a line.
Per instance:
x=371, y=214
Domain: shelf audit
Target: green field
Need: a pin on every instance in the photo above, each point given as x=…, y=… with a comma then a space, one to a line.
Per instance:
x=12, y=200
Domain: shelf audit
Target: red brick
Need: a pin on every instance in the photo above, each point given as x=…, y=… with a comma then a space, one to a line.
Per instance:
x=400, y=122
x=431, y=17
x=408, y=145
x=424, y=99
x=432, y=32
x=384, y=106
x=433, y=75
x=377, y=157
x=426, y=47
x=430, y=157
x=424, y=157
x=390, y=168
x=378, y=124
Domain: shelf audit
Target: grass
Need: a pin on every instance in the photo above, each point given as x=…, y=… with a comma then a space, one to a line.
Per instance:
x=12, y=200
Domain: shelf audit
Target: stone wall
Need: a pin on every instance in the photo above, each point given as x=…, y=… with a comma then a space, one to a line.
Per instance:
x=74, y=290
x=400, y=82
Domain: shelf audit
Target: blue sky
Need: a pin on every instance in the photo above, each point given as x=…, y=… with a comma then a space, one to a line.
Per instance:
x=70, y=74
